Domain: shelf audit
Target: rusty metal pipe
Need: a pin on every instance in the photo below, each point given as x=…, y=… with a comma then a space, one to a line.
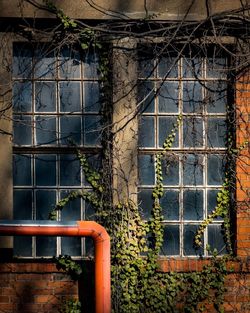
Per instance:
x=74, y=229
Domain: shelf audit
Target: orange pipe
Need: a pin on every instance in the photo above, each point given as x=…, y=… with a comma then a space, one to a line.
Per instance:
x=80, y=229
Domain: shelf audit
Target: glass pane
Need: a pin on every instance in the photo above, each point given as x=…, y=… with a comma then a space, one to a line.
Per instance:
x=216, y=132
x=45, y=246
x=45, y=170
x=89, y=246
x=70, y=127
x=192, y=67
x=21, y=170
x=92, y=130
x=70, y=63
x=192, y=97
x=193, y=132
x=45, y=93
x=22, y=96
x=146, y=66
x=22, y=246
x=193, y=169
x=45, y=130
x=45, y=203
x=166, y=124
x=216, y=169
x=170, y=205
x=71, y=246
x=70, y=172
x=171, y=240
x=146, y=169
x=95, y=162
x=22, y=60
x=193, y=205
x=212, y=201
x=168, y=98
x=216, y=97
x=22, y=206
x=170, y=170
x=189, y=247
x=90, y=66
x=70, y=97
x=91, y=97
x=168, y=67
x=216, y=239
x=147, y=132
x=89, y=212
x=146, y=97
x=216, y=67
x=45, y=63
x=72, y=210
x=146, y=202
x=22, y=128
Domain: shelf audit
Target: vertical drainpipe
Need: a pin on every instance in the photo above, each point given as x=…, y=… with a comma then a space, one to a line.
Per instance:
x=79, y=229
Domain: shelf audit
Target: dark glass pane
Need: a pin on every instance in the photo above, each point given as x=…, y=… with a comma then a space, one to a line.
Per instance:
x=22, y=206
x=22, y=127
x=91, y=97
x=146, y=169
x=45, y=93
x=193, y=169
x=70, y=63
x=146, y=66
x=146, y=202
x=216, y=97
x=170, y=170
x=45, y=203
x=22, y=96
x=168, y=67
x=90, y=66
x=216, y=67
x=212, y=201
x=22, y=60
x=92, y=130
x=192, y=132
x=192, y=97
x=21, y=170
x=45, y=63
x=45, y=170
x=189, y=247
x=70, y=172
x=45, y=130
x=192, y=67
x=45, y=246
x=89, y=246
x=22, y=246
x=70, y=127
x=216, y=132
x=70, y=97
x=72, y=210
x=166, y=124
x=216, y=239
x=170, y=205
x=216, y=169
x=147, y=132
x=146, y=97
x=71, y=246
x=95, y=162
x=171, y=240
x=89, y=212
x=193, y=205
x=168, y=98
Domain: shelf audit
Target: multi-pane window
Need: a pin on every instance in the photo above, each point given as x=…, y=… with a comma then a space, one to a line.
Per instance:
x=194, y=168
x=55, y=109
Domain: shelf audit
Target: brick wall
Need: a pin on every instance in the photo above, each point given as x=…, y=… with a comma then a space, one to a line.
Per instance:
x=34, y=288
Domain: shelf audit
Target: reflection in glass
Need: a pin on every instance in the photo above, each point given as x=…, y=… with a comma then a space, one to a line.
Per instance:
x=189, y=235
x=146, y=202
x=21, y=170
x=216, y=132
x=70, y=97
x=146, y=132
x=70, y=130
x=146, y=169
x=193, y=132
x=216, y=169
x=193, y=205
x=45, y=96
x=193, y=169
x=45, y=170
x=168, y=98
x=171, y=240
x=170, y=205
x=45, y=130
